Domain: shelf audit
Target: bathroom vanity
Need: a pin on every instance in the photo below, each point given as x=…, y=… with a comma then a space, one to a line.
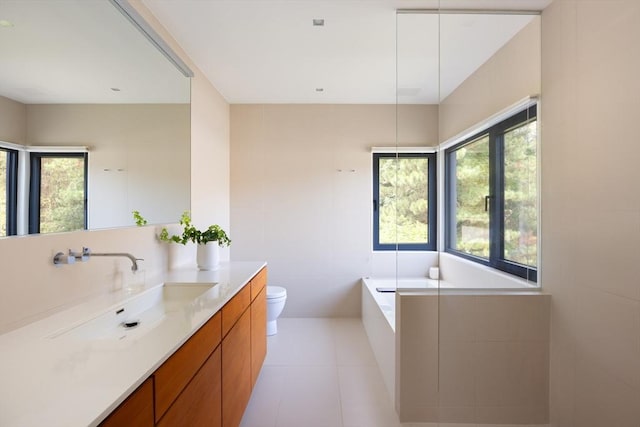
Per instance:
x=192, y=362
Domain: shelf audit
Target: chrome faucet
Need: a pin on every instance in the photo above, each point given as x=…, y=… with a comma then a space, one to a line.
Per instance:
x=60, y=258
x=134, y=264
x=86, y=254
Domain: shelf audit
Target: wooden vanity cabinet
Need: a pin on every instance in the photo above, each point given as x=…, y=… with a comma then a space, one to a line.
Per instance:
x=209, y=379
x=136, y=411
x=244, y=347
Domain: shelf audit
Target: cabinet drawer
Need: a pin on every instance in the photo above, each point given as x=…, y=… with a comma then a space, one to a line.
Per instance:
x=136, y=411
x=174, y=374
x=232, y=310
x=258, y=283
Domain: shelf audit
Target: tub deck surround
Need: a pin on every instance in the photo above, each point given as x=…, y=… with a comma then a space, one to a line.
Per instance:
x=479, y=287
x=56, y=379
x=460, y=354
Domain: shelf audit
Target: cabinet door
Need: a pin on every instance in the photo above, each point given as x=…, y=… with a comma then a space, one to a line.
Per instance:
x=200, y=403
x=177, y=371
x=258, y=333
x=236, y=369
x=136, y=411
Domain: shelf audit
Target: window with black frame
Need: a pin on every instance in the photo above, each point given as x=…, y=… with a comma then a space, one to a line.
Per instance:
x=491, y=196
x=9, y=193
x=404, y=201
x=58, y=192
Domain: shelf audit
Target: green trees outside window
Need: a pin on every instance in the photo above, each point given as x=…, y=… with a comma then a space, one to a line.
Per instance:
x=8, y=191
x=520, y=215
x=471, y=188
x=404, y=201
x=58, y=192
x=492, y=196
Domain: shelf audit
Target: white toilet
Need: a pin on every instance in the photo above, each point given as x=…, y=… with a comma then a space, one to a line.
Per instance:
x=276, y=297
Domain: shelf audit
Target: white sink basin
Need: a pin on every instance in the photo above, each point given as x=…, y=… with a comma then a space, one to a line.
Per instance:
x=138, y=315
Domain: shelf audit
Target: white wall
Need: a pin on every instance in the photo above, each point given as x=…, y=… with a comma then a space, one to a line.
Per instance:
x=297, y=204
x=591, y=209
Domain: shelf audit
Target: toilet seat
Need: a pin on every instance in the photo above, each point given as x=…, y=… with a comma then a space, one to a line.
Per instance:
x=276, y=292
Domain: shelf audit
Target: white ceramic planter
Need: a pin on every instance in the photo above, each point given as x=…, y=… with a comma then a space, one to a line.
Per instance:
x=208, y=256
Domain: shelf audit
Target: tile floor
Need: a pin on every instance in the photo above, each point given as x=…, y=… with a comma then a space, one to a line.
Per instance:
x=320, y=373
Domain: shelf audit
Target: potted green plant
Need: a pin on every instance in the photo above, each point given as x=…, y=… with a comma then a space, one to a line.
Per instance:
x=208, y=241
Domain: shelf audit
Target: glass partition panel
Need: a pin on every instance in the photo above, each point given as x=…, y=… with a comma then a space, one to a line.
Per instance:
x=473, y=79
x=415, y=165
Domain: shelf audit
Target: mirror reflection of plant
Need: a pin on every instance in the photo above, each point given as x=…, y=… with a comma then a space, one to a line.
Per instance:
x=140, y=221
x=189, y=232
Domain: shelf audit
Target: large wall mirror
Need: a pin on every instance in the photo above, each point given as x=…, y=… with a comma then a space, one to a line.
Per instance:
x=93, y=117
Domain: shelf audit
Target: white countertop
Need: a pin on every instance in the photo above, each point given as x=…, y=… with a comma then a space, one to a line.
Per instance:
x=51, y=380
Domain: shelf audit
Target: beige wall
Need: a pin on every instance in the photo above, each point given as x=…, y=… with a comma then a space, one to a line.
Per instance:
x=296, y=203
x=510, y=75
x=13, y=121
x=591, y=209
x=210, y=170
x=138, y=159
x=210, y=158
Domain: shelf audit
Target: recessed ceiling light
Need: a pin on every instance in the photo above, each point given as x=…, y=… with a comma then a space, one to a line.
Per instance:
x=319, y=89
x=115, y=89
x=5, y=24
x=318, y=22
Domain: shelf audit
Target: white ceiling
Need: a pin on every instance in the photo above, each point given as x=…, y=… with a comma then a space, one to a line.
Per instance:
x=75, y=51
x=268, y=51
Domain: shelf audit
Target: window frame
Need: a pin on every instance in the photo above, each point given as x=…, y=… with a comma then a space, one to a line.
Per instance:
x=432, y=203
x=11, y=190
x=496, y=197
x=35, y=175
